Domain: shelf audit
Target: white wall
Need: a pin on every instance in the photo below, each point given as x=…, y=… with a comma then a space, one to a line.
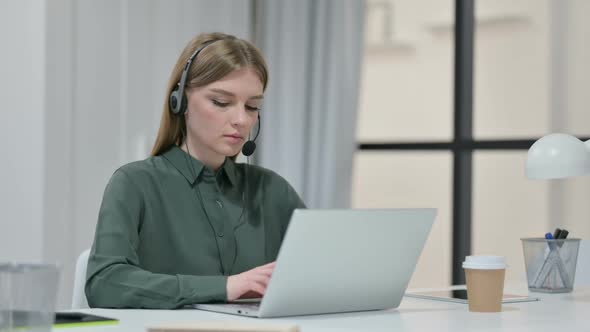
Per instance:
x=22, y=116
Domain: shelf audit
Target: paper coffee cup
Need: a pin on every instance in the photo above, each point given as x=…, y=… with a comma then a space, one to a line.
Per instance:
x=485, y=282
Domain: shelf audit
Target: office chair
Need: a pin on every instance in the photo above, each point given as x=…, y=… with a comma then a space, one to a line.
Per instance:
x=79, y=296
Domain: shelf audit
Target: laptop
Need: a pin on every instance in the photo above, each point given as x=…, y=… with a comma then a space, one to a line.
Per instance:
x=334, y=261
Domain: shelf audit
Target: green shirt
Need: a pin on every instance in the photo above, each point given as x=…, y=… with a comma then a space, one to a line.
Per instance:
x=170, y=230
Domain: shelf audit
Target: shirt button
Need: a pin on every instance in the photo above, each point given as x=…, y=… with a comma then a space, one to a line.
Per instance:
x=219, y=203
x=220, y=234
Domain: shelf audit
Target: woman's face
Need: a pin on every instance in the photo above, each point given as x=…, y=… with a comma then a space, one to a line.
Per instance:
x=221, y=115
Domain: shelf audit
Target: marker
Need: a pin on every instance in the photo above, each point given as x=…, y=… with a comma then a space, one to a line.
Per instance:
x=553, y=259
x=548, y=236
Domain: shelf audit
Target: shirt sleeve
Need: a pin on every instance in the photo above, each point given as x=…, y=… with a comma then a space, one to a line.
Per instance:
x=114, y=277
x=293, y=200
x=287, y=200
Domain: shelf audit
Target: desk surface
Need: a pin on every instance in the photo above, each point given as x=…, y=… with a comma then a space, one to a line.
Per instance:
x=555, y=312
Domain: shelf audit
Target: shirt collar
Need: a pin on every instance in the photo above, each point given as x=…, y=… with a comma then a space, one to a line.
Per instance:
x=191, y=168
x=229, y=168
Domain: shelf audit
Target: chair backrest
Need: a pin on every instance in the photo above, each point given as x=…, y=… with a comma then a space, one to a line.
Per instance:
x=79, y=297
x=583, y=265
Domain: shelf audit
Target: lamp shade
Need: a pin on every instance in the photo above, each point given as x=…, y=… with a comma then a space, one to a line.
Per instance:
x=558, y=156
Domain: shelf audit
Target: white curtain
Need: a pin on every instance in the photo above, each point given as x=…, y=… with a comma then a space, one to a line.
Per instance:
x=314, y=52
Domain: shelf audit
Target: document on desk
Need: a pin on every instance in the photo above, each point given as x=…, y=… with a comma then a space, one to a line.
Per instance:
x=460, y=296
x=80, y=319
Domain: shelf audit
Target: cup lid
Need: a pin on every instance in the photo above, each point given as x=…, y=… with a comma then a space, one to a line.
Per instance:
x=484, y=262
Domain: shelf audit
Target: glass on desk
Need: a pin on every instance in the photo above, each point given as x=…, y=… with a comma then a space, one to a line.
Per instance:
x=28, y=293
x=550, y=264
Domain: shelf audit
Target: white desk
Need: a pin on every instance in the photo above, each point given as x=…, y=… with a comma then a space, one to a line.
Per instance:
x=554, y=313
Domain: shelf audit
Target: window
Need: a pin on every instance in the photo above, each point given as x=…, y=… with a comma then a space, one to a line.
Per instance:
x=447, y=116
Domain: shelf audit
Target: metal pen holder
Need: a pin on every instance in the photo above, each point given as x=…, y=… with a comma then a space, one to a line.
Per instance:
x=550, y=264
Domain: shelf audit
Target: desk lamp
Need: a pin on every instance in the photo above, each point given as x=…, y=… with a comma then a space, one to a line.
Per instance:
x=556, y=156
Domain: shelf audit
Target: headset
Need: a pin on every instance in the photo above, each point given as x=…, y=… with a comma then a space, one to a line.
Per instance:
x=178, y=102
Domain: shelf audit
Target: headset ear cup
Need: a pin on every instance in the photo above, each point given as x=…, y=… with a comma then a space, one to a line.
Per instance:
x=174, y=102
x=177, y=104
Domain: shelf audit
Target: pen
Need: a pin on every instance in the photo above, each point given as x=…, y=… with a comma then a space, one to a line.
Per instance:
x=553, y=260
x=562, y=236
x=562, y=268
x=543, y=271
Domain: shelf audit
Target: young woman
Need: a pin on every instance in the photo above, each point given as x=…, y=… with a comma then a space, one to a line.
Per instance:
x=189, y=224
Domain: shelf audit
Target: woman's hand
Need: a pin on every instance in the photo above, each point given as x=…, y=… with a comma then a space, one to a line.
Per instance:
x=249, y=284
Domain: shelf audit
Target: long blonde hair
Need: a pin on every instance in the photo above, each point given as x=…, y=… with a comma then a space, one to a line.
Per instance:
x=216, y=60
